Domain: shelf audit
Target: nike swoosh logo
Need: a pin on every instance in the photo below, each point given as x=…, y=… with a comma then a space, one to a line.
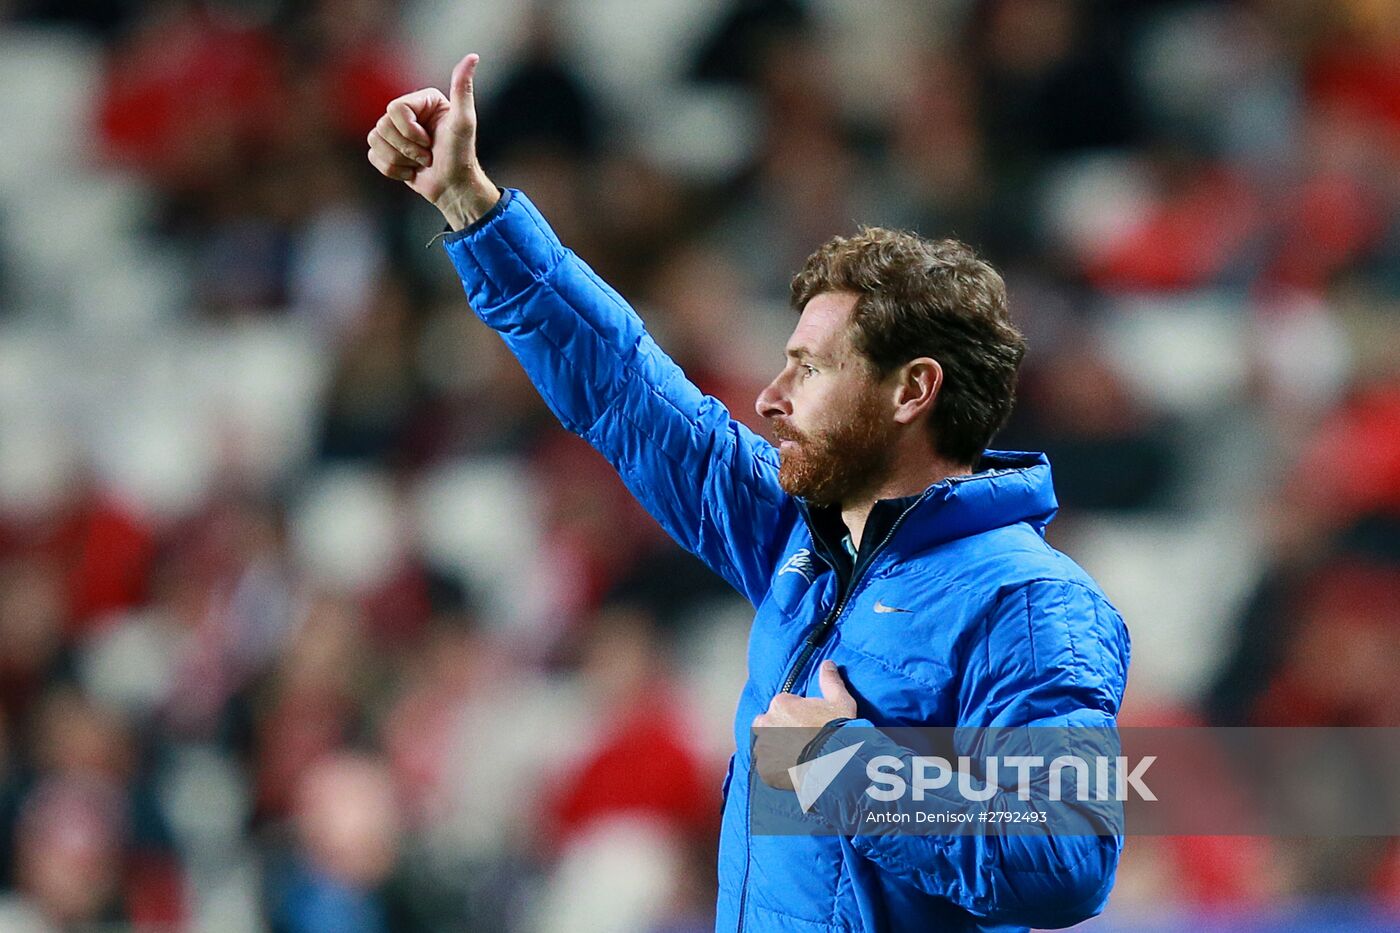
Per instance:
x=881, y=607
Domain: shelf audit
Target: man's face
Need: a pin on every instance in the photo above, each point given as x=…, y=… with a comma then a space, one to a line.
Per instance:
x=831, y=416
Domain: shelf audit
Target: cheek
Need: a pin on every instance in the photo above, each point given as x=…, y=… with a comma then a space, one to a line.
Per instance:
x=822, y=404
x=806, y=415
x=814, y=397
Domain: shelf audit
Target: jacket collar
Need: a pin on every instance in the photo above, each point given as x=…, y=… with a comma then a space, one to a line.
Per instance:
x=1008, y=487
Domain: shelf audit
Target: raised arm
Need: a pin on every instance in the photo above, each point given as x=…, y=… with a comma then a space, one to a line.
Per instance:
x=710, y=481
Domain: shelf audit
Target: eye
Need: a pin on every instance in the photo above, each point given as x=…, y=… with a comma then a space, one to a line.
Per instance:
x=808, y=369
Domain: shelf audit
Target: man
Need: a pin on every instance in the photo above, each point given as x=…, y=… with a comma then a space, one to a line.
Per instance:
x=899, y=571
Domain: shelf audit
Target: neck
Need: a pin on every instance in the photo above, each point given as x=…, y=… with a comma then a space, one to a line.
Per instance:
x=906, y=479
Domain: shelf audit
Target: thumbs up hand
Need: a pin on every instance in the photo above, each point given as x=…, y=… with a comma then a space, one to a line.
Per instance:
x=428, y=141
x=792, y=721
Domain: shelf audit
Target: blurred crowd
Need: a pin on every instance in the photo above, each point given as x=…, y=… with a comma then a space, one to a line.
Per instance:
x=312, y=620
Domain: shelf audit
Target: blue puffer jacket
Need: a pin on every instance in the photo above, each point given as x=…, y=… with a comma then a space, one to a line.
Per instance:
x=1002, y=630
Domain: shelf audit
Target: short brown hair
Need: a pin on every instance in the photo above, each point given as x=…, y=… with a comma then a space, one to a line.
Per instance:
x=933, y=298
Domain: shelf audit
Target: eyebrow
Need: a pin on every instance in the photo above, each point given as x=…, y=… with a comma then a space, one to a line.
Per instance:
x=799, y=354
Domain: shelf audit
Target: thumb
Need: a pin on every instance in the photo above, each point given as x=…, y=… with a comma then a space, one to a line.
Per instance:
x=833, y=687
x=461, y=91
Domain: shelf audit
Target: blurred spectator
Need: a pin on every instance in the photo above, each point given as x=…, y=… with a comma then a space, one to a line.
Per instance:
x=190, y=90
x=90, y=846
x=371, y=396
x=542, y=105
x=1052, y=75
x=1337, y=663
x=740, y=42
x=1106, y=450
x=102, y=17
x=104, y=551
x=635, y=798
x=347, y=843
x=346, y=65
x=1336, y=563
x=311, y=709
x=642, y=766
x=31, y=623
x=326, y=695
x=70, y=837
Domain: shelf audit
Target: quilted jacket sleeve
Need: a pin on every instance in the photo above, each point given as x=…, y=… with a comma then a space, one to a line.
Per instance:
x=710, y=481
x=1054, y=660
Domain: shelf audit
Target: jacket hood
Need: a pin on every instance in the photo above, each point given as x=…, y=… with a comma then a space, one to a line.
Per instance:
x=1008, y=487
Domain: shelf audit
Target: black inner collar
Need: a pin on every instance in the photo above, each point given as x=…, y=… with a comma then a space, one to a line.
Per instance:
x=829, y=532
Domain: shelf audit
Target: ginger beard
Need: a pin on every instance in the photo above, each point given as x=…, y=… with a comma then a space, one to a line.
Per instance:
x=842, y=461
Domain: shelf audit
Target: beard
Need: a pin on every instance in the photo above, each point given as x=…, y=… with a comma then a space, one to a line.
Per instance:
x=840, y=463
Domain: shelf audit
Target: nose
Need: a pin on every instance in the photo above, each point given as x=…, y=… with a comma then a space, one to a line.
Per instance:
x=772, y=402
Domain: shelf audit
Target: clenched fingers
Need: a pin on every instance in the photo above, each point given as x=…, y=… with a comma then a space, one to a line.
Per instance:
x=392, y=154
x=414, y=114
x=390, y=134
x=389, y=161
x=402, y=118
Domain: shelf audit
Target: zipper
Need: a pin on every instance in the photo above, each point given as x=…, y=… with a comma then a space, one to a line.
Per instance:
x=809, y=647
x=820, y=632
x=744, y=887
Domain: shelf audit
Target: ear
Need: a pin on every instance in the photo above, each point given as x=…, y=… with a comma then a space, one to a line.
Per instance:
x=918, y=383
